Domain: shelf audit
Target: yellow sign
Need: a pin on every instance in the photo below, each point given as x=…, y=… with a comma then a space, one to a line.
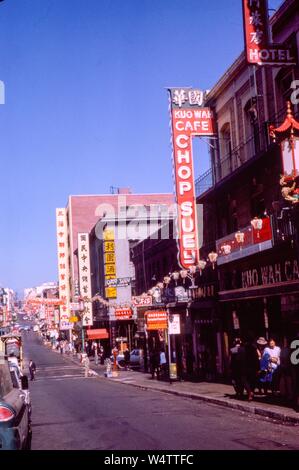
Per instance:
x=110, y=258
x=111, y=292
x=109, y=247
x=108, y=234
x=110, y=270
x=73, y=319
x=110, y=262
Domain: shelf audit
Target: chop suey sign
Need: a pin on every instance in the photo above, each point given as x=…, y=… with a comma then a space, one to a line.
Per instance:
x=189, y=118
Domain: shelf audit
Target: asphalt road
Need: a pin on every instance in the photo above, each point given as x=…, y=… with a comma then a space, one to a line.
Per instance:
x=72, y=412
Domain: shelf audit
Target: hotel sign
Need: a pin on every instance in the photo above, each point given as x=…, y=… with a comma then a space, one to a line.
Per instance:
x=188, y=119
x=259, y=50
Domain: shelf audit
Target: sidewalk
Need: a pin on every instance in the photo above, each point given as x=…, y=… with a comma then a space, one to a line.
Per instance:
x=215, y=393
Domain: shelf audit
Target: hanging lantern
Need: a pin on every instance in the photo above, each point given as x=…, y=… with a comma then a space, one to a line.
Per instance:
x=257, y=225
x=184, y=273
x=201, y=265
x=226, y=249
x=176, y=276
x=213, y=258
x=289, y=148
x=192, y=269
x=240, y=238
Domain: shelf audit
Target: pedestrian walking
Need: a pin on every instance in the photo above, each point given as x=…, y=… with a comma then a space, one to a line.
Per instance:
x=95, y=350
x=32, y=369
x=235, y=367
x=102, y=355
x=249, y=366
x=155, y=364
x=163, y=363
x=127, y=359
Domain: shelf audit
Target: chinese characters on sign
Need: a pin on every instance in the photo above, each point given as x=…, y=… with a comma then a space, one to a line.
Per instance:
x=110, y=264
x=259, y=50
x=84, y=277
x=189, y=119
x=63, y=268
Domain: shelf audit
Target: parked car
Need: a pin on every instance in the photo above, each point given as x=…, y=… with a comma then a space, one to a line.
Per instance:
x=136, y=358
x=16, y=377
x=15, y=415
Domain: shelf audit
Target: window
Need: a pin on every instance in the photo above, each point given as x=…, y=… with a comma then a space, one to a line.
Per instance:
x=225, y=149
x=251, y=127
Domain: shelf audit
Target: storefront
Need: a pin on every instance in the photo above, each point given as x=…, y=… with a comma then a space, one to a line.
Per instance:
x=259, y=296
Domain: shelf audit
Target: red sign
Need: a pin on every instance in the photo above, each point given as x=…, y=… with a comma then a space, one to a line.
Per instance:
x=256, y=34
x=142, y=300
x=251, y=237
x=189, y=119
x=156, y=319
x=123, y=313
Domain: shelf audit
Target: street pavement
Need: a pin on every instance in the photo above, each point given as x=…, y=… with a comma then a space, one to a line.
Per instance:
x=73, y=412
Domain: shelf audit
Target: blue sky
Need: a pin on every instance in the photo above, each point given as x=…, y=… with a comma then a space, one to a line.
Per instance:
x=86, y=106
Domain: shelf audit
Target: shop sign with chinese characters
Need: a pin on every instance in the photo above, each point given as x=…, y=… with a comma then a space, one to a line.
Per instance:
x=84, y=277
x=259, y=50
x=110, y=264
x=188, y=118
x=63, y=268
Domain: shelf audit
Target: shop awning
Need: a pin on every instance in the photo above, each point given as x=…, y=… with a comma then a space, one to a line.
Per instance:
x=100, y=333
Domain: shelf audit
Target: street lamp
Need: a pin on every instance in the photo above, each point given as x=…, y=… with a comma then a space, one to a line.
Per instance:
x=240, y=238
x=213, y=258
x=82, y=309
x=201, y=266
x=257, y=225
x=289, y=147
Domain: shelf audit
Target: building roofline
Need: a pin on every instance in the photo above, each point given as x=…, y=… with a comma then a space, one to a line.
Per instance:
x=125, y=194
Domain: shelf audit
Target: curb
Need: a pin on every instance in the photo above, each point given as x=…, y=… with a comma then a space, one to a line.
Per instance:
x=274, y=415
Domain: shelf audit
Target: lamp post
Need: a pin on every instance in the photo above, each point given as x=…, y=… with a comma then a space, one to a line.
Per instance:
x=82, y=309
